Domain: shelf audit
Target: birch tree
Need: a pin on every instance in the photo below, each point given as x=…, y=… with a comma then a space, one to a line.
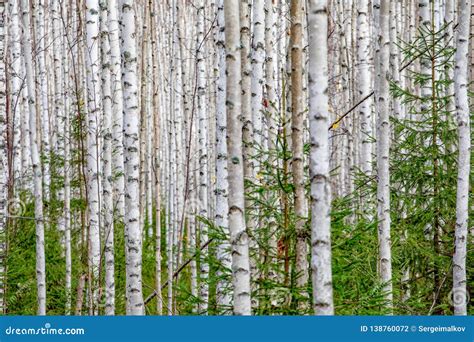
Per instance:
x=107, y=188
x=319, y=158
x=40, y=44
x=297, y=127
x=246, y=70
x=156, y=152
x=459, y=292
x=224, y=295
x=19, y=138
x=383, y=147
x=3, y=160
x=257, y=61
x=133, y=239
x=203, y=158
x=35, y=160
x=364, y=83
x=424, y=20
x=66, y=219
x=238, y=236
x=117, y=106
x=93, y=115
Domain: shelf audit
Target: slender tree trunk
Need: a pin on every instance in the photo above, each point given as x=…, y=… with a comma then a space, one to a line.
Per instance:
x=272, y=117
x=133, y=239
x=319, y=158
x=66, y=219
x=93, y=113
x=238, y=235
x=459, y=293
x=449, y=39
x=36, y=164
x=16, y=103
x=117, y=108
x=246, y=107
x=203, y=160
x=3, y=160
x=57, y=126
x=297, y=143
x=364, y=84
x=424, y=21
x=383, y=147
x=224, y=293
x=257, y=62
x=156, y=155
x=40, y=45
x=107, y=188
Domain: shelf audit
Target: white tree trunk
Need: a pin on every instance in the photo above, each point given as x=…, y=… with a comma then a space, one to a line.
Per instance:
x=107, y=181
x=133, y=239
x=203, y=160
x=297, y=143
x=3, y=160
x=459, y=293
x=272, y=117
x=35, y=160
x=117, y=108
x=93, y=115
x=58, y=107
x=449, y=9
x=246, y=70
x=319, y=158
x=66, y=146
x=224, y=293
x=238, y=235
x=16, y=103
x=424, y=22
x=383, y=147
x=257, y=61
x=40, y=44
x=364, y=84
x=156, y=153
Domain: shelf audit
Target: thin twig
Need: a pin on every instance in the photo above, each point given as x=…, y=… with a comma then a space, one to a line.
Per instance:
x=179, y=270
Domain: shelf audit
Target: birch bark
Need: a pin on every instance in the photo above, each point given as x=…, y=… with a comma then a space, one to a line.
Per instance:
x=93, y=115
x=383, y=147
x=257, y=62
x=16, y=91
x=238, y=235
x=224, y=294
x=319, y=158
x=156, y=153
x=459, y=293
x=107, y=188
x=203, y=158
x=35, y=161
x=40, y=44
x=364, y=84
x=246, y=70
x=66, y=220
x=297, y=143
x=117, y=107
x=3, y=160
x=133, y=238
